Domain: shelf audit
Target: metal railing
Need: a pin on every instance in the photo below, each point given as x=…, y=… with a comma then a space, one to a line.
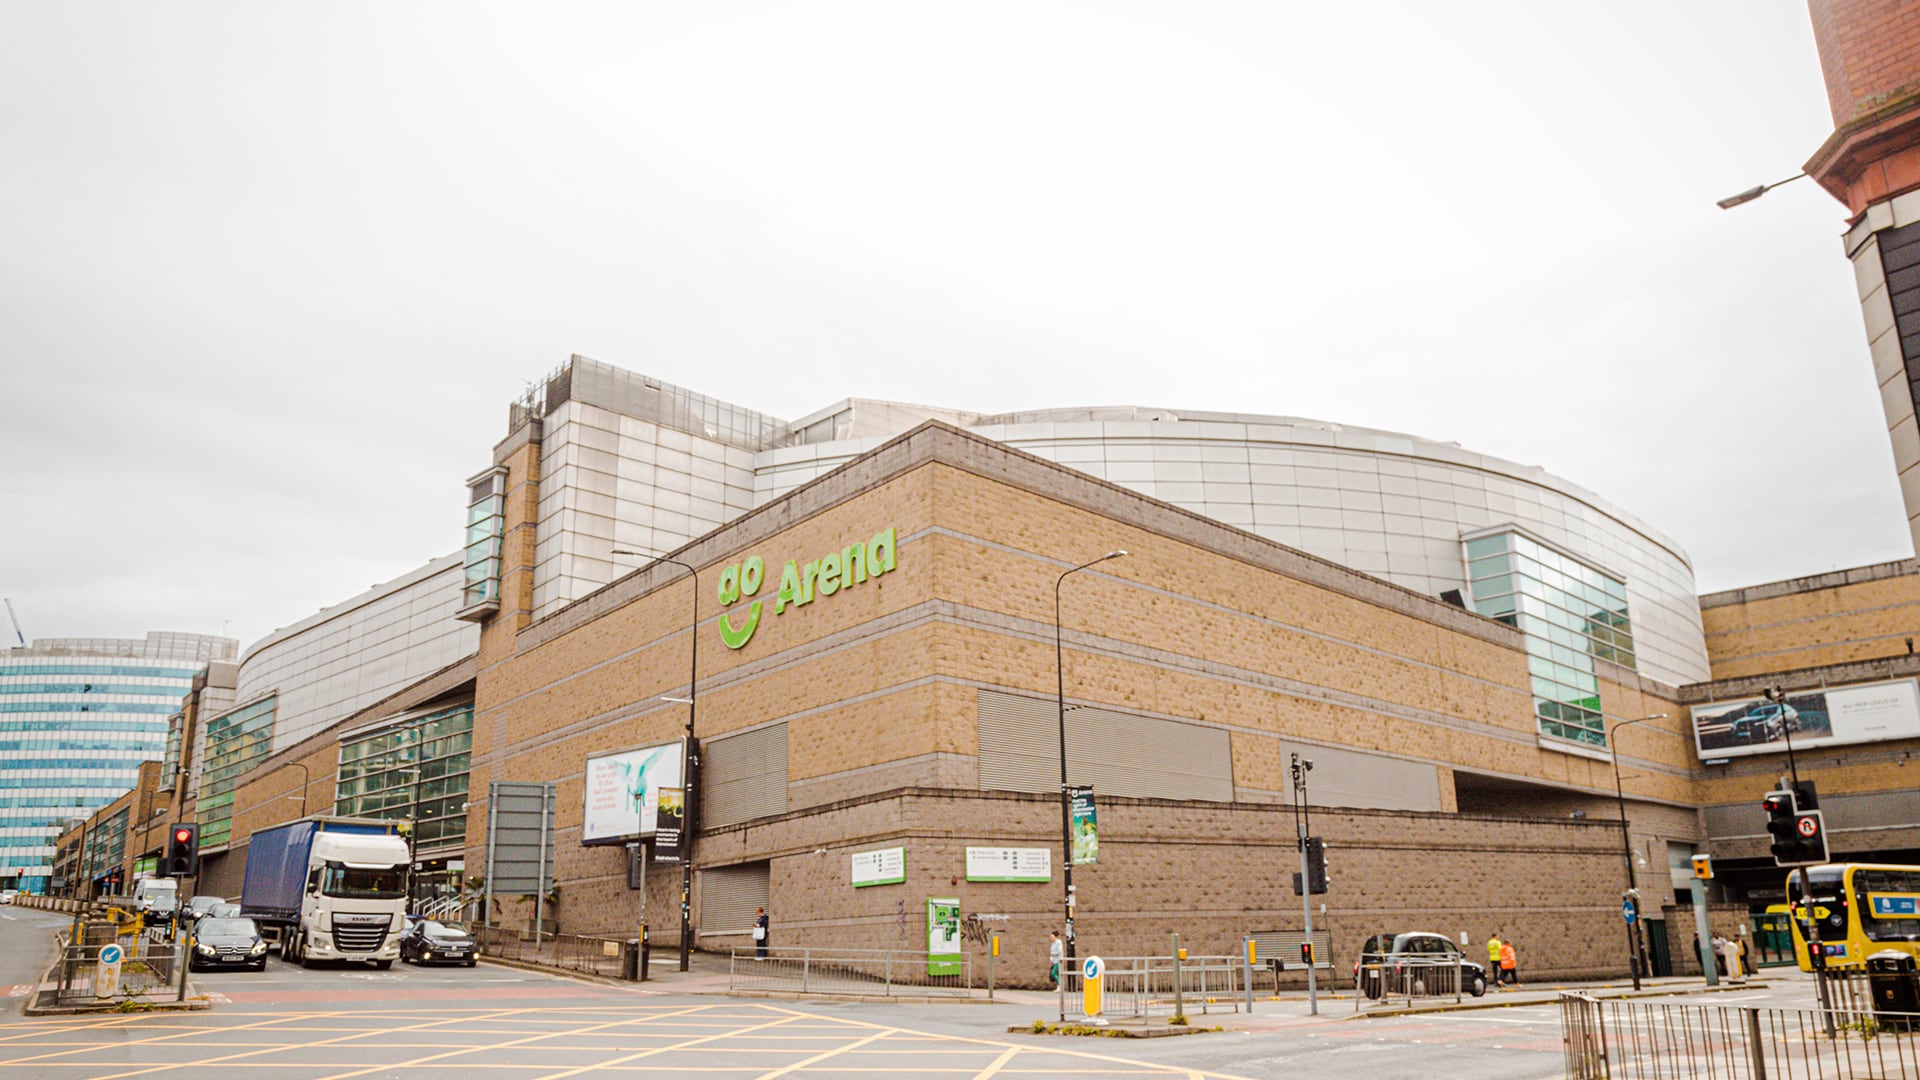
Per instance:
x=1631, y=1040
x=1140, y=988
x=1385, y=978
x=567, y=952
x=855, y=972
x=149, y=971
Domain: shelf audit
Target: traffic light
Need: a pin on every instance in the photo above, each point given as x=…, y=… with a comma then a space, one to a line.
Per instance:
x=1799, y=836
x=1316, y=865
x=1306, y=953
x=183, y=850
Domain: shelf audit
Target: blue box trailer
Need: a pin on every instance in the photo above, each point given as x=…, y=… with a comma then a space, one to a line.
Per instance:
x=276, y=877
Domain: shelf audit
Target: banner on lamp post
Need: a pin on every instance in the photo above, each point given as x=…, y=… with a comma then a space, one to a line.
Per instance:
x=670, y=817
x=1083, y=825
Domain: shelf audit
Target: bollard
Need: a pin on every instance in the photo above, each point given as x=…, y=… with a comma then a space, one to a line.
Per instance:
x=646, y=951
x=1179, y=999
x=1251, y=946
x=993, y=954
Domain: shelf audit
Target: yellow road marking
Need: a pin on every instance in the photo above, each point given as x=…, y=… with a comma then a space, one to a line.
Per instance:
x=420, y=1062
x=251, y=1053
x=1081, y=1054
x=824, y=1055
x=157, y=1039
x=658, y=1050
x=998, y=1063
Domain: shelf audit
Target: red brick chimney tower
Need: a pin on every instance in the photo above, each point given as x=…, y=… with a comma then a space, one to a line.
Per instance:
x=1870, y=53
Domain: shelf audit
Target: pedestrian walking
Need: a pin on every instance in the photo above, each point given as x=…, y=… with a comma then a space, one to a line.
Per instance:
x=1719, y=945
x=1509, y=964
x=1056, y=955
x=1493, y=959
x=1730, y=958
x=762, y=928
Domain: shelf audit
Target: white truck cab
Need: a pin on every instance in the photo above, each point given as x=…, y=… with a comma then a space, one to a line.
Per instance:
x=355, y=907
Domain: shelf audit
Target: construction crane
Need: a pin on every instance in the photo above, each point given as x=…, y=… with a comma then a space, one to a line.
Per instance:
x=16, y=623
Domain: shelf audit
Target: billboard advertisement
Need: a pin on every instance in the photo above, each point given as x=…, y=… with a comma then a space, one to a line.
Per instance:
x=623, y=792
x=1834, y=716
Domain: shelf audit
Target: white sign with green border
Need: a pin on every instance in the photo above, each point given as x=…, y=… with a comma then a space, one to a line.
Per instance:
x=888, y=866
x=1009, y=864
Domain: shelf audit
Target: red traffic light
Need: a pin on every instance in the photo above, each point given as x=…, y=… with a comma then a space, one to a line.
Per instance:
x=181, y=836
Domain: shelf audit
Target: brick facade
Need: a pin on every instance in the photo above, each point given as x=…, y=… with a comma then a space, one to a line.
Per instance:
x=1201, y=622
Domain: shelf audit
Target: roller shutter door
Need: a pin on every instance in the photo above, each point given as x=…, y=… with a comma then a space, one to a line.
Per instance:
x=728, y=897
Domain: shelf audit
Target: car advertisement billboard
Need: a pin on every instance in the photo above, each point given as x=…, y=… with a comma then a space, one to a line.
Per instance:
x=1869, y=712
x=623, y=792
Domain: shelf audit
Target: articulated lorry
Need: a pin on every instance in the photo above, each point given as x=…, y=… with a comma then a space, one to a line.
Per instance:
x=329, y=888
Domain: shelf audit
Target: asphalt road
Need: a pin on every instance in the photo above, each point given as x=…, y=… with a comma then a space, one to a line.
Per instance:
x=496, y=1021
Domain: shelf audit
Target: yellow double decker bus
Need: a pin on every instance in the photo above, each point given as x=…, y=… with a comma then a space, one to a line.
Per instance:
x=1862, y=908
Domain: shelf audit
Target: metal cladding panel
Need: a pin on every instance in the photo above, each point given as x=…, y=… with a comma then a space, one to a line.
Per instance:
x=521, y=837
x=729, y=895
x=1118, y=753
x=743, y=777
x=1900, y=262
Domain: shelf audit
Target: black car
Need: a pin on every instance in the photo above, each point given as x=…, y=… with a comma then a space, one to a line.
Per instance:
x=430, y=942
x=1417, y=963
x=199, y=906
x=227, y=943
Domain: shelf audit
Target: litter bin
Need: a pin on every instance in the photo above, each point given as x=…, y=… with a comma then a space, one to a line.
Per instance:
x=1893, y=979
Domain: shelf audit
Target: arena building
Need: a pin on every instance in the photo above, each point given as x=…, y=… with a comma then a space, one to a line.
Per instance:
x=896, y=628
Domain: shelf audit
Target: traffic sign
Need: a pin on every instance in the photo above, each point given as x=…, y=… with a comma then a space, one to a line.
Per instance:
x=106, y=974
x=1626, y=910
x=1091, y=970
x=1808, y=825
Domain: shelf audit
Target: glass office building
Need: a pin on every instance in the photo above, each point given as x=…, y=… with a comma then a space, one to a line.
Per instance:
x=77, y=717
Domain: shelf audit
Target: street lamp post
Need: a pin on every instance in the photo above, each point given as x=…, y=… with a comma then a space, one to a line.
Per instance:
x=413, y=829
x=1636, y=947
x=690, y=825
x=1066, y=795
x=306, y=778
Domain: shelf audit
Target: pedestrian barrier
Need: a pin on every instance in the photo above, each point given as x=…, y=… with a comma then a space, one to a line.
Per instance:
x=856, y=972
x=1627, y=1039
x=1387, y=978
x=146, y=964
x=1137, y=989
x=565, y=952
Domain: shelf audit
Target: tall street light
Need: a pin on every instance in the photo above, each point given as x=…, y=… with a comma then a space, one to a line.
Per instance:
x=1066, y=794
x=413, y=827
x=1753, y=193
x=306, y=778
x=1636, y=948
x=690, y=825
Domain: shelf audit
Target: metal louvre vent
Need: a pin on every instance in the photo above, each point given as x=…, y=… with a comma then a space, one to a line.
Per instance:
x=729, y=895
x=743, y=777
x=359, y=938
x=1118, y=753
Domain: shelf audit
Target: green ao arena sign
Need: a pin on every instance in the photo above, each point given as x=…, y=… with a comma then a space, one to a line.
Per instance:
x=800, y=583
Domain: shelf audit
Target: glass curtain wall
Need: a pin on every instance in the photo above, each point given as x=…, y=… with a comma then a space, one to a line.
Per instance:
x=486, y=525
x=236, y=741
x=415, y=768
x=1571, y=614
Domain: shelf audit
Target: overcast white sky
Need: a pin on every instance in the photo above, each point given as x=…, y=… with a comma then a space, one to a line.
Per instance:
x=271, y=273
